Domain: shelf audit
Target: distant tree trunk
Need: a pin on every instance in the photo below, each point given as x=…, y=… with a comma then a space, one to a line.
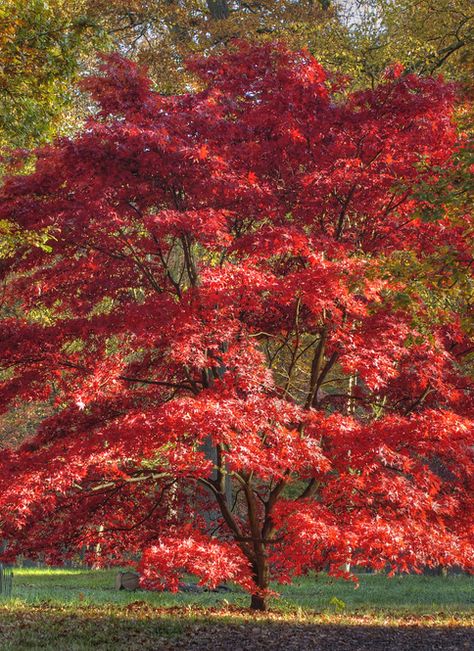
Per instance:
x=98, y=546
x=209, y=449
x=351, y=389
x=218, y=9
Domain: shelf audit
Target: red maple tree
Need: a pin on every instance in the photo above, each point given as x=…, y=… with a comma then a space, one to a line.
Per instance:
x=247, y=383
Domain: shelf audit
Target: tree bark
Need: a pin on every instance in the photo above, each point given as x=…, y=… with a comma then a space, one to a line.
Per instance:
x=218, y=9
x=258, y=603
x=261, y=576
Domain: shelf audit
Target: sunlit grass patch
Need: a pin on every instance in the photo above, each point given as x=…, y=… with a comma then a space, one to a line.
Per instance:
x=400, y=594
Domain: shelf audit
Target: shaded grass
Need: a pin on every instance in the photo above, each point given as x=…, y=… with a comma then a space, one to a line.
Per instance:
x=82, y=627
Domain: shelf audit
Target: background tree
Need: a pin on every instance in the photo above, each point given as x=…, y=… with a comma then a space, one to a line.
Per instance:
x=424, y=37
x=226, y=268
x=41, y=45
x=163, y=34
x=358, y=38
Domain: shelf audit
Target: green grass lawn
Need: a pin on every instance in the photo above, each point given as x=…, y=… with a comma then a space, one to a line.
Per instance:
x=399, y=594
x=80, y=610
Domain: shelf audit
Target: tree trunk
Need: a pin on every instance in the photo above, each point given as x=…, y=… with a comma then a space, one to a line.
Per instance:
x=260, y=575
x=218, y=9
x=258, y=603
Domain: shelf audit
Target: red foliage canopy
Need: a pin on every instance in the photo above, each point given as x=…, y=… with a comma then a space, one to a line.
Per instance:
x=241, y=388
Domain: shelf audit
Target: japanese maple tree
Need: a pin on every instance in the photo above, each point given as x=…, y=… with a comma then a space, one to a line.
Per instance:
x=248, y=383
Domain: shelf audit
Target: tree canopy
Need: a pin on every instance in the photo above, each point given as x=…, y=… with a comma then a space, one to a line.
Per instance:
x=247, y=382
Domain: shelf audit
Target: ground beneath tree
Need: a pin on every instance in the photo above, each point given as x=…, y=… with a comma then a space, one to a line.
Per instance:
x=323, y=632
x=323, y=638
x=140, y=626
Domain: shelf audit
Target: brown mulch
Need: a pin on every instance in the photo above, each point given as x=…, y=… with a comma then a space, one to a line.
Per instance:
x=139, y=626
x=304, y=637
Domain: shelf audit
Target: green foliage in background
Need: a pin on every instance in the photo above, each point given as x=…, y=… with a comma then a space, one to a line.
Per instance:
x=42, y=45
